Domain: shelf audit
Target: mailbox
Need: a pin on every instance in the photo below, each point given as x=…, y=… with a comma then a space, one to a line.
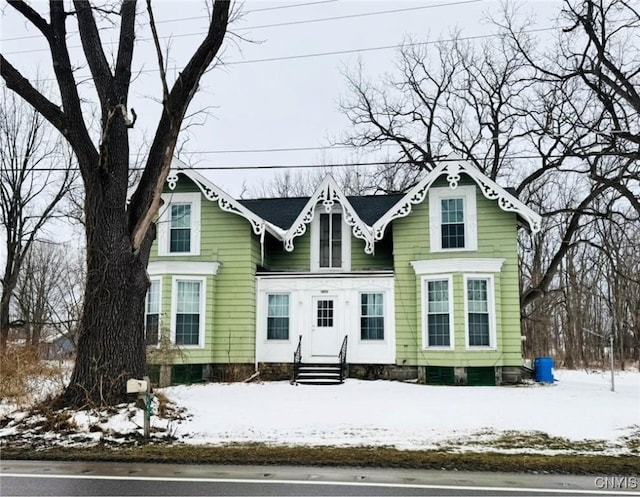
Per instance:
x=137, y=386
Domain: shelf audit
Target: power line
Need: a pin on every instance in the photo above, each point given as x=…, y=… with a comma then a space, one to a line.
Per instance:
x=281, y=24
x=195, y=18
x=267, y=167
x=336, y=52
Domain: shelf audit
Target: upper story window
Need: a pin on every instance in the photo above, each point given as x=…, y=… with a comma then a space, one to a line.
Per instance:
x=180, y=229
x=179, y=224
x=330, y=241
x=452, y=219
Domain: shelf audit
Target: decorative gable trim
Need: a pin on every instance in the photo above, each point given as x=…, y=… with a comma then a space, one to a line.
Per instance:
x=329, y=193
x=225, y=202
x=453, y=168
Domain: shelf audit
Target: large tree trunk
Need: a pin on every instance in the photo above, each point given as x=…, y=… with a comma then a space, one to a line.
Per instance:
x=111, y=345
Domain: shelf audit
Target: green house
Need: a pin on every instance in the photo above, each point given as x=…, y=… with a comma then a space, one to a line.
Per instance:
x=422, y=285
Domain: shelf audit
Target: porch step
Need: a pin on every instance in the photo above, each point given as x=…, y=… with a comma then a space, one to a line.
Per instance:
x=319, y=374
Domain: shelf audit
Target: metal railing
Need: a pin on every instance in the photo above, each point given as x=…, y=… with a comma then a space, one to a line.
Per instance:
x=297, y=359
x=342, y=356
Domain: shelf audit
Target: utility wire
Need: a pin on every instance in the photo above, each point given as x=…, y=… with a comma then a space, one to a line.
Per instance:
x=180, y=19
x=362, y=164
x=281, y=24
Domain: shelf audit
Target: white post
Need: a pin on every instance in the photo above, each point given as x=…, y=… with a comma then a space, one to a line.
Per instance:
x=613, y=386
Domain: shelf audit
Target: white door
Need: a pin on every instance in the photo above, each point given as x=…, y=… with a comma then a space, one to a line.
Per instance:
x=325, y=333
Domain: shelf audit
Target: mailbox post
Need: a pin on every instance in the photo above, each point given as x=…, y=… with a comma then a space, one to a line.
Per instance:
x=143, y=389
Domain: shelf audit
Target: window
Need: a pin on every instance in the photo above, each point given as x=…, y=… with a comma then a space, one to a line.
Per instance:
x=330, y=240
x=180, y=229
x=478, y=317
x=452, y=219
x=452, y=225
x=439, y=321
x=179, y=224
x=324, y=314
x=187, y=319
x=371, y=316
x=152, y=313
x=278, y=317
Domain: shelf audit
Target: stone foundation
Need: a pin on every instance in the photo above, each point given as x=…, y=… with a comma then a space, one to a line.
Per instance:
x=382, y=372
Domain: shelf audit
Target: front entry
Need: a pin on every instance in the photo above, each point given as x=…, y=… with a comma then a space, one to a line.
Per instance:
x=325, y=333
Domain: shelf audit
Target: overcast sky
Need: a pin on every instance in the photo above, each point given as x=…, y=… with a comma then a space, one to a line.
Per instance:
x=275, y=91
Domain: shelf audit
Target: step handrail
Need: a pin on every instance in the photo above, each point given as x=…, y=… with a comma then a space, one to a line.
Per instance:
x=343, y=358
x=297, y=359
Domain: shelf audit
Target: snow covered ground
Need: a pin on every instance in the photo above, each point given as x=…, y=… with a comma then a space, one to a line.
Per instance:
x=578, y=407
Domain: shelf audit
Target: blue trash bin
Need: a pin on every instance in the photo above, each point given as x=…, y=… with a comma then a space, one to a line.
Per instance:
x=543, y=369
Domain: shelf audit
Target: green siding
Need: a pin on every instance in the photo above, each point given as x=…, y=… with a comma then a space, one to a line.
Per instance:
x=497, y=238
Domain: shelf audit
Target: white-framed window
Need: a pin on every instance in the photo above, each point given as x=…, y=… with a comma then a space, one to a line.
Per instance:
x=453, y=219
x=330, y=241
x=372, y=316
x=278, y=316
x=188, y=311
x=479, y=306
x=179, y=224
x=437, y=294
x=152, y=312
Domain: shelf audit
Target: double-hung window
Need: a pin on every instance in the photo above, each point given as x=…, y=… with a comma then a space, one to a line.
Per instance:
x=330, y=240
x=372, y=316
x=180, y=228
x=278, y=316
x=179, y=224
x=452, y=223
x=439, y=322
x=478, y=316
x=188, y=305
x=453, y=219
x=152, y=313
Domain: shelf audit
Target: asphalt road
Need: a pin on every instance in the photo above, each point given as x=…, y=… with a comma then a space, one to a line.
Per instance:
x=33, y=478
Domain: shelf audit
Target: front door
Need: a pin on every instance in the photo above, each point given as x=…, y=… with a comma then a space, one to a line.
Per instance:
x=325, y=340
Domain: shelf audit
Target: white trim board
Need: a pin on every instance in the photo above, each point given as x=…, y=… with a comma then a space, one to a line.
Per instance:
x=440, y=266
x=183, y=267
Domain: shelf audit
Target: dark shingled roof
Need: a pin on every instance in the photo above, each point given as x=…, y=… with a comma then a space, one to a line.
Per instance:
x=283, y=211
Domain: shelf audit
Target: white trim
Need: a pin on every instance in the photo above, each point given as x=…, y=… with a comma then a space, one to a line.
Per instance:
x=468, y=196
x=164, y=220
x=174, y=307
x=315, y=241
x=327, y=195
x=434, y=266
x=183, y=267
x=425, y=314
x=491, y=308
x=452, y=168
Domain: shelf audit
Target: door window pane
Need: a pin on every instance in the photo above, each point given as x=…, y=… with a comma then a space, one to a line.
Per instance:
x=324, y=313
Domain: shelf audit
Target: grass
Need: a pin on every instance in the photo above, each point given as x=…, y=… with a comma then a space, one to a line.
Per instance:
x=260, y=454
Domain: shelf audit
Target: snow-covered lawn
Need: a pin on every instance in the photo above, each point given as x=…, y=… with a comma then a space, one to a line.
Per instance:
x=534, y=418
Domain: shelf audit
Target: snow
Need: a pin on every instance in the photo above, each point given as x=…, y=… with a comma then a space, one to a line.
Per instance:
x=578, y=407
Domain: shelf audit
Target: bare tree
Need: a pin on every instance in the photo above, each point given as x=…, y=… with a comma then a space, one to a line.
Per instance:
x=111, y=345
x=31, y=194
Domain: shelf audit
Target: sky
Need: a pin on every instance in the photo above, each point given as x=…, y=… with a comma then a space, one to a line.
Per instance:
x=281, y=79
